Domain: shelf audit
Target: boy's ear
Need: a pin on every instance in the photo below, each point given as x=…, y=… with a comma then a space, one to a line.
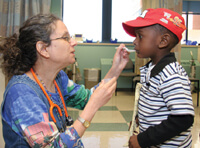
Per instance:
x=165, y=40
x=41, y=48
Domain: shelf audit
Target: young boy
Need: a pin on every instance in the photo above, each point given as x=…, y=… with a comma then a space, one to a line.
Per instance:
x=165, y=108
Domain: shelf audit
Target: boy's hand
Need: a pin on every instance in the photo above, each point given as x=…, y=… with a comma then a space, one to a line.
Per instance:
x=133, y=142
x=137, y=124
x=137, y=121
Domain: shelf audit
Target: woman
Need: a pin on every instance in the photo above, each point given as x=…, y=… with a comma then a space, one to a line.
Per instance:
x=34, y=61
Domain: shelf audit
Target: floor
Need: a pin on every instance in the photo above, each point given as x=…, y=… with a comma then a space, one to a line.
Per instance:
x=109, y=128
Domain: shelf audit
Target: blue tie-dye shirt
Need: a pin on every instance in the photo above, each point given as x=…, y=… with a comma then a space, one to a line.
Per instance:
x=25, y=113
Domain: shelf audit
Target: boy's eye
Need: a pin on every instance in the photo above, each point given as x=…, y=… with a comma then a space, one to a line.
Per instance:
x=139, y=35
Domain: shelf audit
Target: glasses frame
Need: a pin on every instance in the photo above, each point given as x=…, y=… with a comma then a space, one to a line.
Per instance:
x=66, y=38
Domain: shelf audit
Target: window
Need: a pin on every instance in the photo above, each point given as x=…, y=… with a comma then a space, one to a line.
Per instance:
x=100, y=20
x=191, y=14
x=83, y=17
x=193, y=29
x=124, y=11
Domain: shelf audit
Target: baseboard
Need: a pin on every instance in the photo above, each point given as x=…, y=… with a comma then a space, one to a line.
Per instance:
x=124, y=89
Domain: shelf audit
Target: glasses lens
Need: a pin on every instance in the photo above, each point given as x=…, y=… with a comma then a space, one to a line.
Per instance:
x=66, y=38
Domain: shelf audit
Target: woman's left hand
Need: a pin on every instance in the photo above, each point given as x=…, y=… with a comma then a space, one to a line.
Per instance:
x=120, y=60
x=121, y=57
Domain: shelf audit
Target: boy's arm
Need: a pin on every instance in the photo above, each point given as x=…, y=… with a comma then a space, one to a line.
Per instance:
x=174, y=125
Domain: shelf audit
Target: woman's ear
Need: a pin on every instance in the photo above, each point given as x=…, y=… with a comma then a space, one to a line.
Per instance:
x=165, y=40
x=42, y=49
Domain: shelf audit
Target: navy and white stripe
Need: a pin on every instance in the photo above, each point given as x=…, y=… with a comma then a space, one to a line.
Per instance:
x=167, y=93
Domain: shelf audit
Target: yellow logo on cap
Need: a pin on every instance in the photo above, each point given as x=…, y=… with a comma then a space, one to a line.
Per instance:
x=177, y=21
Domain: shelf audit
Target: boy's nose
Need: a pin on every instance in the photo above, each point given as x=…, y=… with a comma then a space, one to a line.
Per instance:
x=134, y=42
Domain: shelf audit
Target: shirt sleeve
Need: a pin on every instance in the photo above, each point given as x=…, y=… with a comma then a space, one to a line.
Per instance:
x=75, y=95
x=167, y=129
x=176, y=93
x=28, y=116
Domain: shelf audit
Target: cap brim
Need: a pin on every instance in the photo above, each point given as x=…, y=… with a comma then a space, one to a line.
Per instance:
x=130, y=26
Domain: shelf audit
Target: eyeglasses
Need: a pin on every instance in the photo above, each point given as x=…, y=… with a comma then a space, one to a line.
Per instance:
x=66, y=38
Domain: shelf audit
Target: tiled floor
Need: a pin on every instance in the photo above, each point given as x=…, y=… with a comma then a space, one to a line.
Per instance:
x=109, y=128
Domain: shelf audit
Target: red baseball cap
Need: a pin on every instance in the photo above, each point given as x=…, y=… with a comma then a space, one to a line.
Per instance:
x=165, y=17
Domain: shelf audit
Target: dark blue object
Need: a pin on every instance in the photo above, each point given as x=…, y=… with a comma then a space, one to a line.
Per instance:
x=89, y=41
x=194, y=43
x=113, y=41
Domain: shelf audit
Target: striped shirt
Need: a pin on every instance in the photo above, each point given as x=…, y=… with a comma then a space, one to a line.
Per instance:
x=166, y=92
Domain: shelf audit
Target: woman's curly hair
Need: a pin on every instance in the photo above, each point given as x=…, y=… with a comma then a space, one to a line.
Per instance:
x=18, y=52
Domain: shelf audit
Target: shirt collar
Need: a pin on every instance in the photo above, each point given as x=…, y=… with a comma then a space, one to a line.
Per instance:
x=170, y=58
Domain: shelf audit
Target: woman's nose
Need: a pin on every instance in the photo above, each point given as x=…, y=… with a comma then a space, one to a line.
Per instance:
x=73, y=42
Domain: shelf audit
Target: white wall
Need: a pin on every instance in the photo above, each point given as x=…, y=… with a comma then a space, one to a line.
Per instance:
x=2, y=88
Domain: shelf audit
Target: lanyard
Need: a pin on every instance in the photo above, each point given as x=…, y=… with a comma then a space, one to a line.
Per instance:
x=52, y=105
